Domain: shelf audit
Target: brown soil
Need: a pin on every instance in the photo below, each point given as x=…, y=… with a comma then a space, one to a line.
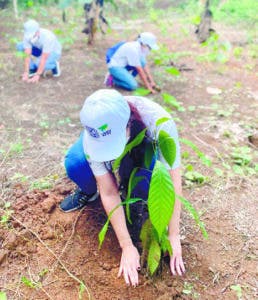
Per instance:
x=54, y=250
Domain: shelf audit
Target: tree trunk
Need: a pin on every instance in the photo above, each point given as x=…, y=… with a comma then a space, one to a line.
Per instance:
x=204, y=29
x=15, y=9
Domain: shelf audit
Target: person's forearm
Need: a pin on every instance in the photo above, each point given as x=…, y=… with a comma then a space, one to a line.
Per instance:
x=174, y=223
x=149, y=76
x=117, y=220
x=144, y=78
x=110, y=199
x=27, y=64
x=27, y=52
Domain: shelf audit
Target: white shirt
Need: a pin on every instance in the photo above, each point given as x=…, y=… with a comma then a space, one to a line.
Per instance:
x=47, y=42
x=130, y=53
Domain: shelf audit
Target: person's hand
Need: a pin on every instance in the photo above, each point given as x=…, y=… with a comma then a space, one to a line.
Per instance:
x=25, y=76
x=152, y=90
x=156, y=88
x=176, y=261
x=34, y=79
x=130, y=265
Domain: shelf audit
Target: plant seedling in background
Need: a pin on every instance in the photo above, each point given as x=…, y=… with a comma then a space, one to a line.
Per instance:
x=173, y=71
x=237, y=288
x=141, y=92
x=7, y=215
x=204, y=159
x=172, y=101
x=29, y=283
x=3, y=296
x=161, y=199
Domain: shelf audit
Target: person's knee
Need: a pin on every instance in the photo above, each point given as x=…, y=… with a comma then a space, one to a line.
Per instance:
x=133, y=86
x=72, y=163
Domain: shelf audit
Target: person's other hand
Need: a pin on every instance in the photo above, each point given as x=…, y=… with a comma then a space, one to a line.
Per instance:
x=34, y=79
x=25, y=76
x=130, y=265
x=152, y=91
x=176, y=261
x=156, y=88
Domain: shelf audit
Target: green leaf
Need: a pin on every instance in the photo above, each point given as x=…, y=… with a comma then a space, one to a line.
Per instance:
x=149, y=155
x=237, y=288
x=154, y=256
x=162, y=120
x=171, y=100
x=133, y=181
x=104, y=229
x=3, y=296
x=218, y=171
x=195, y=215
x=20, y=54
x=238, y=170
x=194, y=176
x=30, y=283
x=103, y=232
x=141, y=92
x=135, y=142
x=81, y=290
x=167, y=147
x=145, y=234
x=173, y=71
x=165, y=244
x=161, y=198
x=205, y=159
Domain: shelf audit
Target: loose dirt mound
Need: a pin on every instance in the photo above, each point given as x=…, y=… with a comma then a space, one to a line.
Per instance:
x=46, y=246
x=44, y=249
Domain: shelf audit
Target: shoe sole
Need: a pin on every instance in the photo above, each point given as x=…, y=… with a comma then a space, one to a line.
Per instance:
x=58, y=69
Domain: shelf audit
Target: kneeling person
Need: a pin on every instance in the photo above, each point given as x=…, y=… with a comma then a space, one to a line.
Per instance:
x=126, y=60
x=43, y=52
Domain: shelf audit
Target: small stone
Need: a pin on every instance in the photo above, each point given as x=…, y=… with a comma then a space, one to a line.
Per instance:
x=169, y=283
x=213, y=90
x=11, y=241
x=48, y=205
x=48, y=235
x=3, y=254
x=106, y=267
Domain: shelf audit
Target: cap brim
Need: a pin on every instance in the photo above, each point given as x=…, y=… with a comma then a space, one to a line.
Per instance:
x=100, y=151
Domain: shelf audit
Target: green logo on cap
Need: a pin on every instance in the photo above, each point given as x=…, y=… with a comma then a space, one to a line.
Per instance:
x=103, y=127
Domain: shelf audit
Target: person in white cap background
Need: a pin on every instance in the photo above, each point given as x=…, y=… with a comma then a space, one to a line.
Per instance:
x=126, y=60
x=110, y=121
x=43, y=52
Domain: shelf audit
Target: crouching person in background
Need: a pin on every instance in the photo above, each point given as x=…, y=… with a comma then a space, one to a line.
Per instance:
x=126, y=60
x=43, y=52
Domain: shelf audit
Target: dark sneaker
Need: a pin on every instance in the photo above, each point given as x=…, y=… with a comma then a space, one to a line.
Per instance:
x=56, y=71
x=77, y=200
x=32, y=72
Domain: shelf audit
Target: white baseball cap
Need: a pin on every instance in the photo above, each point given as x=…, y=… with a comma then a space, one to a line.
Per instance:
x=149, y=39
x=104, y=115
x=30, y=28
